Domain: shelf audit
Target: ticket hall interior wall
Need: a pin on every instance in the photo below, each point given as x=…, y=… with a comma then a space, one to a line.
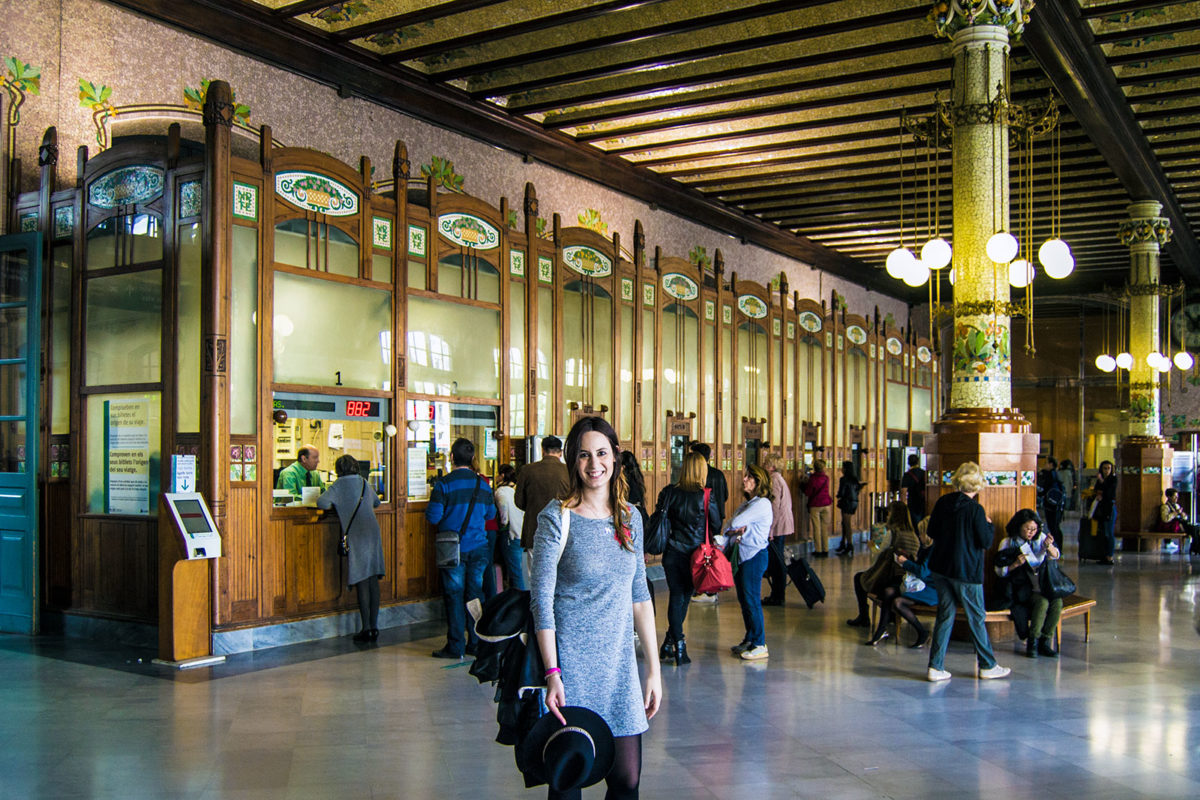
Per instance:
x=419, y=286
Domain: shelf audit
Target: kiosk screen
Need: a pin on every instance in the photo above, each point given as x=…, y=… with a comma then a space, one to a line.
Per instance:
x=192, y=517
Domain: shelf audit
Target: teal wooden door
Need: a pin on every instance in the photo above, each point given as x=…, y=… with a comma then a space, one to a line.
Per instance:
x=20, y=360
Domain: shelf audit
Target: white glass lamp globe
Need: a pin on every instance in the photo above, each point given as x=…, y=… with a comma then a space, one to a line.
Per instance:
x=1124, y=360
x=917, y=273
x=1106, y=363
x=1163, y=365
x=1020, y=273
x=1056, y=257
x=898, y=262
x=1152, y=358
x=1184, y=360
x=1002, y=247
x=936, y=253
x=951, y=276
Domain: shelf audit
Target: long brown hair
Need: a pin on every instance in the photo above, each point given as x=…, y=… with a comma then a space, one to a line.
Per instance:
x=618, y=490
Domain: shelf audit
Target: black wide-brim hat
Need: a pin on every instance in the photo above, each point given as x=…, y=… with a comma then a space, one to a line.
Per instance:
x=502, y=616
x=572, y=756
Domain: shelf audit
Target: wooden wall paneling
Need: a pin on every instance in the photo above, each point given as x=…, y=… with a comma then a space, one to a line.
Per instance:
x=398, y=482
x=418, y=569
x=274, y=589
x=387, y=531
x=316, y=575
x=120, y=576
x=240, y=571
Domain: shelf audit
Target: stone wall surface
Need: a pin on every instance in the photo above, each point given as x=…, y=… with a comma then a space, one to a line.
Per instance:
x=144, y=62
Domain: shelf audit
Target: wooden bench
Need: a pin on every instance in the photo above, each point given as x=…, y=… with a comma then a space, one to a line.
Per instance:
x=1073, y=606
x=1155, y=536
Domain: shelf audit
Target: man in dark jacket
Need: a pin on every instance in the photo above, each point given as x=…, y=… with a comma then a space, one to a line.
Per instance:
x=1050, y=492
x=539, y=483
x=454, y=495
x=962, y=534
x=913, y=483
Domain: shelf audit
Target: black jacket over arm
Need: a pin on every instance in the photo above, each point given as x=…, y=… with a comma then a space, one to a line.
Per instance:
x=686, y=514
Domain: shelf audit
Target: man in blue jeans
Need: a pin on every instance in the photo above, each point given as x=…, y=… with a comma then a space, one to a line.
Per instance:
x=962, y=534
x=449, y=504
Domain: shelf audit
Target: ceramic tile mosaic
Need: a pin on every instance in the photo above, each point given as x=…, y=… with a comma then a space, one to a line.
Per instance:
x=516, y=262
x=381, y=233
x=64, y=222
x=245, y=201
x=416, y=240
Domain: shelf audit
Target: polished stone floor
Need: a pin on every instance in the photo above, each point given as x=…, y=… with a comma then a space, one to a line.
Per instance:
x=824, y=717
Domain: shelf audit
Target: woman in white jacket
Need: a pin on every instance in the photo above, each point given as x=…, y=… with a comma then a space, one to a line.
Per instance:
x=750, y=527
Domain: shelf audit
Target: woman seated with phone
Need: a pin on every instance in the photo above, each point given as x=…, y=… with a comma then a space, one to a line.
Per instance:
x=1019, y=561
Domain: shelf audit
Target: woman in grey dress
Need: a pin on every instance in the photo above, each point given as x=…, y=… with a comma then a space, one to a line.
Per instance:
x=355, y=502
x=589, y=595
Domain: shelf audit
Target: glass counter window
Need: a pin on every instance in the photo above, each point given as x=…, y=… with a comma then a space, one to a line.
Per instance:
x=432, y=426
x=323, y=428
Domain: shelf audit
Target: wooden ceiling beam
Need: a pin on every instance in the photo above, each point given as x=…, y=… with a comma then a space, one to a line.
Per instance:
x=580, y=45
x=501, y=32
x=1062, y=43
x=414, y=17
x=656, y=83
x=656, y=63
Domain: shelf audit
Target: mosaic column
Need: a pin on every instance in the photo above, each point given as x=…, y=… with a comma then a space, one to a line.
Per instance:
x=1144, y=457
x=980, y=424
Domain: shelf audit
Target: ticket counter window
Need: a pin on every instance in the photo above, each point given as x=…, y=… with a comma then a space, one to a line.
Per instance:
x=432, y=426
x=336, y=426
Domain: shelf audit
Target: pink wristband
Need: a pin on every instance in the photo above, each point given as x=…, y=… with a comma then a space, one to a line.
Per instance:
x=553, y=671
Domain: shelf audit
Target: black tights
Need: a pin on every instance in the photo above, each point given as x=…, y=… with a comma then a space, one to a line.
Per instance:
x=368, y=602
x=623, y=778
x=893, y=599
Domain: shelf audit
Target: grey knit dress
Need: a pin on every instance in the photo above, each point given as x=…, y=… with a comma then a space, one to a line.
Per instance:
x=366, y=543
x=587, y=598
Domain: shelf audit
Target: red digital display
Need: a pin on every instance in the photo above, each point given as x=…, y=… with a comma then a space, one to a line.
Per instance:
x=361, y=408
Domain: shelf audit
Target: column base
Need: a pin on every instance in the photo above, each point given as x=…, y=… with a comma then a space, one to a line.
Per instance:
x=1143, y=474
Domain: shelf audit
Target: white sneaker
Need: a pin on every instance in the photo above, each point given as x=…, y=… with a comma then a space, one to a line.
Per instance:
x=994, y=672
x=936, y=675
x=704, y=598
x=756, y=653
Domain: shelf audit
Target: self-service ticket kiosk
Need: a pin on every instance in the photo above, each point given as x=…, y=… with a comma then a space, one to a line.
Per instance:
x=187, y=540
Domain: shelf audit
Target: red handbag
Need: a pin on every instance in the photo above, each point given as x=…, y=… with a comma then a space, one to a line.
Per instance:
x=711, y=570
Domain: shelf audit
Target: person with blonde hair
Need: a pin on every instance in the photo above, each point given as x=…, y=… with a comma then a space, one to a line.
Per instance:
x=782, y=524
x=962, y=533
x=690, y=509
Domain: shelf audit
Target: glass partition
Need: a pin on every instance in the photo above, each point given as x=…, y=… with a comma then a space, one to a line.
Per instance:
x=432, y=426
x=332, y=334
x=243, y=333
x=472, y=277
x=453, y=349
x=856, y=387
x=625, y=419
x=60, y=339
x=125, y=241
x=187, y=347
x=680, y=351
x=123, y=324
x=587, y=346
x=516, y=359
x=316, y=246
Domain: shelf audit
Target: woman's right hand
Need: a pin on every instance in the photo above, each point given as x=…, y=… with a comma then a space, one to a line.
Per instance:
x=556, y=696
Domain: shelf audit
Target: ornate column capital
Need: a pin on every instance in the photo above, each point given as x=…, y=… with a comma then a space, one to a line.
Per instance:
x=1156, y=230
x=956, y=15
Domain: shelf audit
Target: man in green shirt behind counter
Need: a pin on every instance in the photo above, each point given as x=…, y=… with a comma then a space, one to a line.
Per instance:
x=301, y=473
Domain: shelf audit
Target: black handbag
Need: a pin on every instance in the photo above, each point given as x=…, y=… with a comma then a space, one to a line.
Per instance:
x=1054, y=582
x=344, y=542
x=659, y=530
x=446, y=543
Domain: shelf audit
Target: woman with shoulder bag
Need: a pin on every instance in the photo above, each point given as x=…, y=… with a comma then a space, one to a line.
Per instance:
x=355, y=502
x=1020, y=561
x=1104, y=492
x=751, y=527
x=689, y=510
x=588, y=597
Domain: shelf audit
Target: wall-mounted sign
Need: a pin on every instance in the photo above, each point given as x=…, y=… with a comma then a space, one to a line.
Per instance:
x=587, y=261
x=316, y=193
x=856, y=334
x=680, y=286
x=810, y=321
x=127, y=456
x=924, y=354
x=469, y=231
x=894, y=346
x=125, y=186
x=751, y=306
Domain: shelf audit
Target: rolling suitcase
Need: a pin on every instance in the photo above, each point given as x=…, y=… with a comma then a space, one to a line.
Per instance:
x=1091, y=543
x=806, y=581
